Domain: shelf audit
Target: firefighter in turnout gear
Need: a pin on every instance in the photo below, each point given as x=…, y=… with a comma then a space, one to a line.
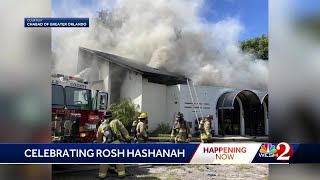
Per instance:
x=135, y=123
x=112, y=131
x=205, y=129
x=181, y=131
x=141, y=128
x=134, y=130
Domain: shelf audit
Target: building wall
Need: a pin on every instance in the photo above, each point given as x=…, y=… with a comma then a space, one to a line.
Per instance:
x=99, y=75
x=131, y=87
x=154, y=102
x=173, y=103
x=101, y=79
x=208, y=98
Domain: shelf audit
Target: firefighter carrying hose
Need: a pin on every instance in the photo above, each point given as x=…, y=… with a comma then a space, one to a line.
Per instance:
x=181, y=131
x=141, y=129
x=205, y=129
x=112, y=131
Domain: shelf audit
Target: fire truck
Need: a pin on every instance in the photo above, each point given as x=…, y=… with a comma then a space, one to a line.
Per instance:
x=76, y=110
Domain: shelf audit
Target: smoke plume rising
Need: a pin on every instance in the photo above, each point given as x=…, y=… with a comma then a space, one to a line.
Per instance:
x=167, y=35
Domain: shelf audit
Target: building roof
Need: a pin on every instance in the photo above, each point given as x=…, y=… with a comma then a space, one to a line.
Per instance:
x=263, y=95
x=152, y=74
x=248, y=97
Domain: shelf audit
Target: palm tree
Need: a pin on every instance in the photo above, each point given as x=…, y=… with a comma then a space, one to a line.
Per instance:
x=126, y=111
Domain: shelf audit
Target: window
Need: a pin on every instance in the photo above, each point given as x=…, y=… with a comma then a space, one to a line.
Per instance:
x=57, y=96
x=78, y=98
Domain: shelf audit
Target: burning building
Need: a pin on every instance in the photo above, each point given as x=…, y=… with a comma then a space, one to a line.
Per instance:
x=162, y=94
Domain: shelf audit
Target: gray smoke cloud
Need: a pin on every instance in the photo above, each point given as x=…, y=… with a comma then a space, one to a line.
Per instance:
x=167, y=35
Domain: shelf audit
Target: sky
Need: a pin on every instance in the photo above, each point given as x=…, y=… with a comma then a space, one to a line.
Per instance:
x=253, y=14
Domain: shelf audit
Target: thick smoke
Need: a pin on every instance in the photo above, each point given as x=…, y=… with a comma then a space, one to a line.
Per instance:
x=167, y=35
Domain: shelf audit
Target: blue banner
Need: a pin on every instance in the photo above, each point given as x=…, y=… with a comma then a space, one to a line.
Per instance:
x=56, y=153
x=306, y=153
x=56, y=22
x=271, y=153
x=287, y=153
x=96, y=153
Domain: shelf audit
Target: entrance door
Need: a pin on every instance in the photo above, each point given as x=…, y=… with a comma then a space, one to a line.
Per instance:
x=261, y=122
x=229, y=120
x=248, y=115
x=253, y=121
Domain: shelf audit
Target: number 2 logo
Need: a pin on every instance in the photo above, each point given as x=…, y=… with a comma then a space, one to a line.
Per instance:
x=285, y=151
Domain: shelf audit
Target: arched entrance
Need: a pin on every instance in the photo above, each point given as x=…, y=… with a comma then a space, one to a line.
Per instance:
x=238, y=113
x=265, y=105
x=262, y=121
x=229, y=120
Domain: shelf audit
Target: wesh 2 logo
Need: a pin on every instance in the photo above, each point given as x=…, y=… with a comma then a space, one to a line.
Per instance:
x=282, y=151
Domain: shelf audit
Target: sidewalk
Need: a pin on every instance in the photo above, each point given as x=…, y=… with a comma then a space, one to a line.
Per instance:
x=218, y=139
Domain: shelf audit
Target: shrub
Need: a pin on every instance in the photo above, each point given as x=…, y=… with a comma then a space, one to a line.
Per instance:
x=126, y=111
x=163, y=128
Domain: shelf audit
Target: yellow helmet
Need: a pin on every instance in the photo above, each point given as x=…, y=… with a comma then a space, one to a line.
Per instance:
x=143, y=116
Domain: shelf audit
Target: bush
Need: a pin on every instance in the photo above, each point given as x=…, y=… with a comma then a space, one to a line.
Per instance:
x=126, y=111
x=163, y=128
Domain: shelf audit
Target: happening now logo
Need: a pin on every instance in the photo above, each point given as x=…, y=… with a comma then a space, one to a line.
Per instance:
x=282, y=151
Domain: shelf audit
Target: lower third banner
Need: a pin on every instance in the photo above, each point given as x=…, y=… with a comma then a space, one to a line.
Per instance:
x=56, y=22
x=215, y=153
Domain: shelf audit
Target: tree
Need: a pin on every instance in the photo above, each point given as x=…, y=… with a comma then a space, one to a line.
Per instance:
x=257, y=46
x=114, y=19
x=111, y=19
x=126, y=111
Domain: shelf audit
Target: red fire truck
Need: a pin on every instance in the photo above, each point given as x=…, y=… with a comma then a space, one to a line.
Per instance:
x=76, y=110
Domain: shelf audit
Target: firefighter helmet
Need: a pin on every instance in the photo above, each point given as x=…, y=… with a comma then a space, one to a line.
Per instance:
x=108, y=114
x=143, y=116
x=179, y=115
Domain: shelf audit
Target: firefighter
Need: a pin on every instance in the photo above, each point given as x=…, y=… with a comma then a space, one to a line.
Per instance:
x=112, y=131
x=134, y=130
x=181, y=131
x=205, y=129
x=141, y=129
x=102, y=139
x=135, y=123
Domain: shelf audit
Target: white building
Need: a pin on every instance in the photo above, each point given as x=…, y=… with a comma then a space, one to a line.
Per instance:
x=163, y=94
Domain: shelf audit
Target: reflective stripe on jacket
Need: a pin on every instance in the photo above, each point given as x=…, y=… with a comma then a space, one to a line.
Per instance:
x=181, y=131
x=119, y=132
